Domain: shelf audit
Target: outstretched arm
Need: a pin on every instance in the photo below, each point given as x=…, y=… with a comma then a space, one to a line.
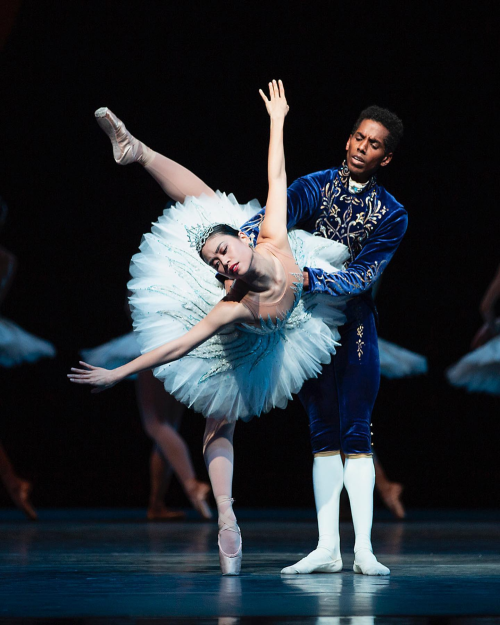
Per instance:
x=224, y=313
x=274, y=224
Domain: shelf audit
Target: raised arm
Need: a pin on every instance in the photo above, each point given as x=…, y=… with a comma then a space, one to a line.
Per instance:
x=224, y=313
x=274, y=224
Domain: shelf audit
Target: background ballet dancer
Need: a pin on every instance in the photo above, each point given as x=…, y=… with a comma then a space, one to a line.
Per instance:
x=161, y=416
x=16, y=346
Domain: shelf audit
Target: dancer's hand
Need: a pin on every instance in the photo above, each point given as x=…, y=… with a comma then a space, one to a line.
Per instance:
x=276, y=106
x=101, y=379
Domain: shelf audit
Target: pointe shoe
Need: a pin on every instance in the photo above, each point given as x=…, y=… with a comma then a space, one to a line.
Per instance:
x=318, y=561
x=198, y=494
x=126, y=148
x=230, y=563
x=20, y=494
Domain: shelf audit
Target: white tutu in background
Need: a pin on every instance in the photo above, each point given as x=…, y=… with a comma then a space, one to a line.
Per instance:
x=242, y=371
x=398, y=362
x=479, y=371
x=18, y=346
x=114, y=353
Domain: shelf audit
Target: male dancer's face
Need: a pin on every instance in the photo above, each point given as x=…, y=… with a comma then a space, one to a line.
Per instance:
x=366, y=150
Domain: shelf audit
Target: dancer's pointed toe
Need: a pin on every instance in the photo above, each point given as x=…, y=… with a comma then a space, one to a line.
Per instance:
x=230, y=563
x=126, y=148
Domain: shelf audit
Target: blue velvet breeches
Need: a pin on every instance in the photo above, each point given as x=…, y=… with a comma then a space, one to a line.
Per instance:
x=340, y=401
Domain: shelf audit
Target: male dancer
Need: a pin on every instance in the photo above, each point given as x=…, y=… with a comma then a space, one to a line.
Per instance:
x=347, y=205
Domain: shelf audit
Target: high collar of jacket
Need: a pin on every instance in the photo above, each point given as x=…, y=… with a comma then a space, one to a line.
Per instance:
x=344, y=175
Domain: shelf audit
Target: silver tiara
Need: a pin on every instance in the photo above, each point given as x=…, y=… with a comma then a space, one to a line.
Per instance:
x=198, y=235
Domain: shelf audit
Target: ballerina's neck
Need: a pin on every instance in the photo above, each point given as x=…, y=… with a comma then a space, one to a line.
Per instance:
x=266, y=274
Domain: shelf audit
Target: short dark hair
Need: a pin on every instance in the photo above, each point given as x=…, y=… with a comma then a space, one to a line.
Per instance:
x=388, y=119
x=220, y=229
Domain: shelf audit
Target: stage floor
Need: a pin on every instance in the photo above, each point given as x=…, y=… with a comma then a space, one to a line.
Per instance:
x=90, y=565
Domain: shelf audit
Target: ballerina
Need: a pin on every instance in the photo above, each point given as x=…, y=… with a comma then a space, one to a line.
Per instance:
x=16, y=346
x=244, y=352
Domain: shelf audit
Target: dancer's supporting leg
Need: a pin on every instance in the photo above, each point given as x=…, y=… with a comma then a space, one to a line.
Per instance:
x=319, y=398
x=328, y=481
x=177, y=181
x=359, y=480
x=390, y=492
x=18, y=489
x=161, y=414
x=219, y=458
x=160, y=475
x=357, y=376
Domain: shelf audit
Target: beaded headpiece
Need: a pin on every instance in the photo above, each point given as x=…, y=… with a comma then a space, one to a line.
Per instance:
x=198, y=235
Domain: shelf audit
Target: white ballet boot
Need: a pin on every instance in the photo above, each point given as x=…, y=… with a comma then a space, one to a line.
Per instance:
x=359, y=480
x=328, y=480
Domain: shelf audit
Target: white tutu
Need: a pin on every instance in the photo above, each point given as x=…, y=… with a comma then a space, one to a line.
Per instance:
x=398, y=362
x=242, y=371
x=18, y=346
x=479, y=371
x=114, y=353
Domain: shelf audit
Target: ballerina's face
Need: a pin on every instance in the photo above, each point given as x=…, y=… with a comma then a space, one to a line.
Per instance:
x=229, y=255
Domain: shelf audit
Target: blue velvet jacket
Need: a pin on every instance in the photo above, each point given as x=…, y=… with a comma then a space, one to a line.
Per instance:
x=371, y=224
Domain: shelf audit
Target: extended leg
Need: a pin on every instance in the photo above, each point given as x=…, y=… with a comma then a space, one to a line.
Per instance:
x=159, y=411
x=177, y=181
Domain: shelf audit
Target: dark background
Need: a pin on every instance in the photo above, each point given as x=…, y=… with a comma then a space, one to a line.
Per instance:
x=184, y=77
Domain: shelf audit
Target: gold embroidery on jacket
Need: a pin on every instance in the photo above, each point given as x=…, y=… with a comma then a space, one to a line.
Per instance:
x=352, y=225
x=360, y=343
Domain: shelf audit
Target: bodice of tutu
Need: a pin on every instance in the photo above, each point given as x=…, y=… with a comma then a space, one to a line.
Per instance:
x=269, y=316
x=242, y=371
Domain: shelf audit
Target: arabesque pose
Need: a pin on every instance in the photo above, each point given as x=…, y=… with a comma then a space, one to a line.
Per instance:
x=229, y=356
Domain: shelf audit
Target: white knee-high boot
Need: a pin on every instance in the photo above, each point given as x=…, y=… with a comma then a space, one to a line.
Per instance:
x=328, y=479
x=359, y=480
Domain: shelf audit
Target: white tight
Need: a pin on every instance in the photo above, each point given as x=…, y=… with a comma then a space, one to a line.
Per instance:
x=218, y=452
